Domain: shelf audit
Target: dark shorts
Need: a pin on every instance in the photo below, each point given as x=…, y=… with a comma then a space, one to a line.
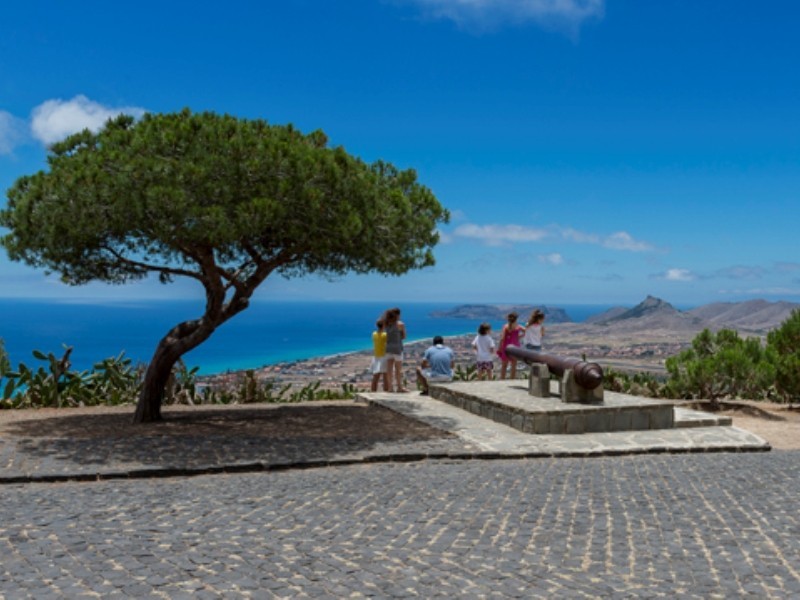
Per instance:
x=484, y=366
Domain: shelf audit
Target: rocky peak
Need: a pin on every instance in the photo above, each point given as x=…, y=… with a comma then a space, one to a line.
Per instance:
x=650, y=306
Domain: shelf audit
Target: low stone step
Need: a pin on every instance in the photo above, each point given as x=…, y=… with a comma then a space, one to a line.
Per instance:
x=687, y=417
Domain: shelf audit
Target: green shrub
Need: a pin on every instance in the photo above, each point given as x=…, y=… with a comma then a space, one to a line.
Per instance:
x=721, y=365
x=5, y=365
x=468, y=373
x=783, y=344
x=112, y=381
x=643, y=384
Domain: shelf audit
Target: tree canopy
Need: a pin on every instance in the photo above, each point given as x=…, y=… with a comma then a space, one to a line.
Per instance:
x=218, y=199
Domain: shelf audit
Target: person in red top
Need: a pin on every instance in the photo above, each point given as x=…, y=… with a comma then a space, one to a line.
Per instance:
x=509, y=336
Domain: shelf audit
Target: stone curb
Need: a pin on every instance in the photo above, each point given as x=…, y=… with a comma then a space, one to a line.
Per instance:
x=168, y=472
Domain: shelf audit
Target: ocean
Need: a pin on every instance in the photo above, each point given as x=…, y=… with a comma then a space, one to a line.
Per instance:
x=265, y=333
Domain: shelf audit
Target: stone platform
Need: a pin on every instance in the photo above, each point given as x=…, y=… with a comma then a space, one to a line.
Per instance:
x=693, y=431
x=508, y=402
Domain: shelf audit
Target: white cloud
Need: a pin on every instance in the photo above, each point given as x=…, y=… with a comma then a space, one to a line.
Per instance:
x=483, y=15
x=54, y=120
x=677, y=275
x=12, y=132
x=554, y=259
x=497, y=235
x=620, y=240
x=444, y=237
x=624, y=241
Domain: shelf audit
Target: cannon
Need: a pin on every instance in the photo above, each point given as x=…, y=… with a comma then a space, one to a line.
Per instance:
x=581, y=381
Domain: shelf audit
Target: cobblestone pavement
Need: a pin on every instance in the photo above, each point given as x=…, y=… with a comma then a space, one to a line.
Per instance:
x=712, y=525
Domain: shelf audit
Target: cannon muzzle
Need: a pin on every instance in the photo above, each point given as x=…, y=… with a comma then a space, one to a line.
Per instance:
x=587, y=375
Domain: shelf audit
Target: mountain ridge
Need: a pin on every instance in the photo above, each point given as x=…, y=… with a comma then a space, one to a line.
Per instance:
x=750, y=316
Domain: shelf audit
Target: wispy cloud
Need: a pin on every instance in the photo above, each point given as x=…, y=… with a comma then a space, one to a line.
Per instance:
x=621, y=240
x=763, y=291
x=499, y=235
x=489, y=15
x=742, y=272
x=605, y=278
x=579, y=237
x=554, y=259
x=54, y=120
x=787, y=267
x=624, y=241
x=12, y=132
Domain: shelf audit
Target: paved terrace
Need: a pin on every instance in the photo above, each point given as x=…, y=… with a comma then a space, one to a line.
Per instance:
x=666, y=518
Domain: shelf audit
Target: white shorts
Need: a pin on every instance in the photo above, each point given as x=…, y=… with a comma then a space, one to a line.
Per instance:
x=397, y=357
x=378, y=365
x=436, y=377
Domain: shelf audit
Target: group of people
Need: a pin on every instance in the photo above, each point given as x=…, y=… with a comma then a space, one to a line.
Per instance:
x=513, y=334
x=439, y=360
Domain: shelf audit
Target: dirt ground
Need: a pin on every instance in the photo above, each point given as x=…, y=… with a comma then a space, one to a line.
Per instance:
x=777, y=424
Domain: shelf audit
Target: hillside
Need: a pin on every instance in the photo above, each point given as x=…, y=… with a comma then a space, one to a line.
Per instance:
x=752, y=315
x=652, y=314
x=607, y=315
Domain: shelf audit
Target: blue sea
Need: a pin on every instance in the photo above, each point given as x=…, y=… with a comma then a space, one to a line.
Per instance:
x=266, y=333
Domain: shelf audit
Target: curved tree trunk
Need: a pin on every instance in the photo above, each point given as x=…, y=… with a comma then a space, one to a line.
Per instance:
x=190, y=334
x=175, y=344
x=148, y=409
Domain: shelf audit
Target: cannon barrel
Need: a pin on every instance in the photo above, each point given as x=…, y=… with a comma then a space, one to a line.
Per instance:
x=587, y=375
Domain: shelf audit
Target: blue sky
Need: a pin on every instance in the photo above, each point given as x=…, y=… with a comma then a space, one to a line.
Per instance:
x=590, y=151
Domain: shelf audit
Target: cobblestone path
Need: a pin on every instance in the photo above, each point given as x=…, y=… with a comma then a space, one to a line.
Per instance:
x=678, y=526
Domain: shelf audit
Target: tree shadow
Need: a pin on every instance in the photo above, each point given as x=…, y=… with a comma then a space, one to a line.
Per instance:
x=204, y=437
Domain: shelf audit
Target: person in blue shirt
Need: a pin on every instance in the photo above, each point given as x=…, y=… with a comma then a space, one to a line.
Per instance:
x=437, y=365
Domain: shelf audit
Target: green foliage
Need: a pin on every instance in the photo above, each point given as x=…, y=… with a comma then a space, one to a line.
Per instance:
x=248, y=389
x=468, y=373
x=721, y=365
x=181, y=386
x=784, y=346
x=112, y=381
x=204, y=195
x=642, y=384
x=5, y=364
x=115, y=381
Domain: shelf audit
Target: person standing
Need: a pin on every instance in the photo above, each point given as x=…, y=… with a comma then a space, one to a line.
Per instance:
x=484, y=347
x=509, y=336
x=437, y=365
x=378, y=367
x=534, y=331
x=395, y=334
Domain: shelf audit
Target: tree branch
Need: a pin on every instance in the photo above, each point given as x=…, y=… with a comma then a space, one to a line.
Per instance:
x=155, y=268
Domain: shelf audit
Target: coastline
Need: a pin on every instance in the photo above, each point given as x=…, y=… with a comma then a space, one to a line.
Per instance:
x=335, y=370
x=644, y=351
